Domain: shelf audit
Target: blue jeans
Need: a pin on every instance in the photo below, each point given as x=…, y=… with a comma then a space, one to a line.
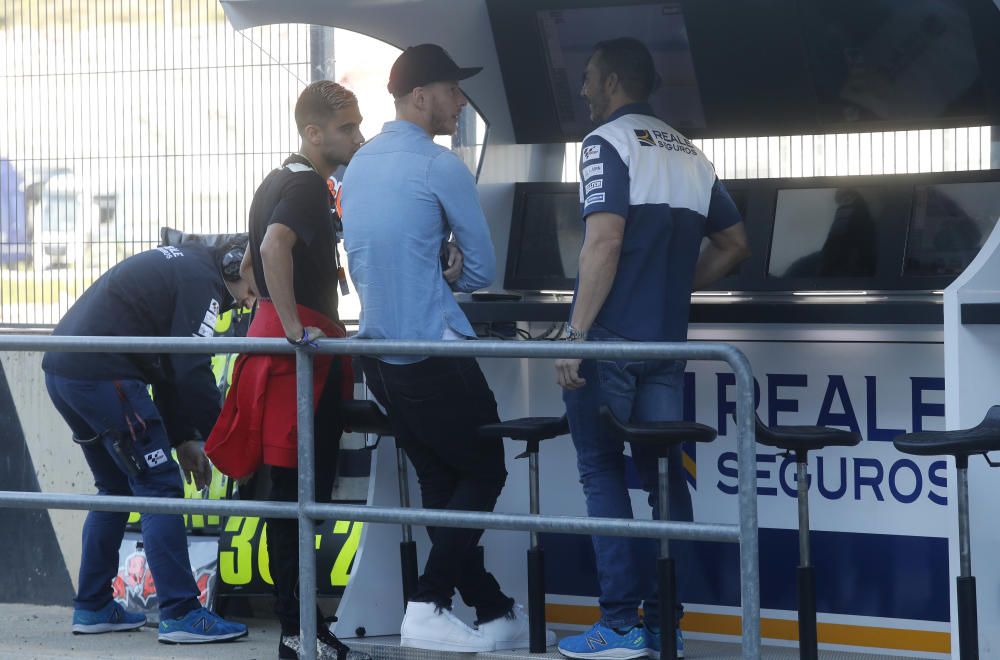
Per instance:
x=639, y=391
x=94, y=410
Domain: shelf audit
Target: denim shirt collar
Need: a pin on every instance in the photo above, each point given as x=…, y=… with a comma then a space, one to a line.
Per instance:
x=632, y=109
x=403, y=126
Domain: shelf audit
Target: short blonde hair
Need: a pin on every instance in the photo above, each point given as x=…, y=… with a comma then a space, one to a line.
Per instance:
x=320, y=101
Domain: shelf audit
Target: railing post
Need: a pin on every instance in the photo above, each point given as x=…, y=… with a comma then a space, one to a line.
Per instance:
x=749, y=551
x=307, y=489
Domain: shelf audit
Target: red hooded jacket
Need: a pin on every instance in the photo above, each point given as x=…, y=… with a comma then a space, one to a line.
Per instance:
x=258, y=423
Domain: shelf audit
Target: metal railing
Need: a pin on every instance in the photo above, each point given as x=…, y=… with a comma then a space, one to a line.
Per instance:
x=308, y=511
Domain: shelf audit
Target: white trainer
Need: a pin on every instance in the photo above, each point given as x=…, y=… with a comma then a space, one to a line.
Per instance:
x=426, y=626
x=511, y=631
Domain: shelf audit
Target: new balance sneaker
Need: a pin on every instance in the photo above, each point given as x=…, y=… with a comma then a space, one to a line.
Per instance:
x=426, y=626
x=653, y=643
x=511, y=631
x=604, y=643
x=200, y=626
x=110, y=618
x=328, y=647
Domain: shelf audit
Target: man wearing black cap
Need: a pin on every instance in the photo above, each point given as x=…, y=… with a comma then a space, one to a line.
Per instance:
x=404, y=196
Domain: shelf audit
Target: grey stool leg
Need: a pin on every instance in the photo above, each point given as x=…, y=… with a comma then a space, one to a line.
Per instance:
x=536, y=563
x=808, y=642
x=968, y=625
x=408, y=547
x=666, y=573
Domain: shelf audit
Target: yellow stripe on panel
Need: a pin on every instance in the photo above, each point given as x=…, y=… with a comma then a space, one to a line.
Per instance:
x=785, y=629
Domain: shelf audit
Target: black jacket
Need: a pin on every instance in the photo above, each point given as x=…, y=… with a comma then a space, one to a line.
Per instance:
x=163, y=292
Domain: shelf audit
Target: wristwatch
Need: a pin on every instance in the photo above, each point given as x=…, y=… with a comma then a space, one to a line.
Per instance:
x=572, y=334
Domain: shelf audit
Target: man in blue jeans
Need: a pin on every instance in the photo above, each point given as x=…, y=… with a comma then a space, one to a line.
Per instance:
x=649, y=198
x=127, y=439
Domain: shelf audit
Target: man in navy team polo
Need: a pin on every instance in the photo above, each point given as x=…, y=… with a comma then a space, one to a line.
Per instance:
x=649, y=198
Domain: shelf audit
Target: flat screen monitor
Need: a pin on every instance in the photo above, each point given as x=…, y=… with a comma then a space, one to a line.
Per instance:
x=568, y=37
x=949, y=224
x=898, y=60
x=828, y=232
x=546, y=234
x=737, y=68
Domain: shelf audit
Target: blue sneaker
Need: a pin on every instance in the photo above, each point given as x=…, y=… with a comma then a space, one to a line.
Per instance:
x=653, y=643
x=110, y=618
x=200, y=626
x=602, y=642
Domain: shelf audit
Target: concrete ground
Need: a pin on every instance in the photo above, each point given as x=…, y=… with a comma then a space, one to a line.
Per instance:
x=31, y=632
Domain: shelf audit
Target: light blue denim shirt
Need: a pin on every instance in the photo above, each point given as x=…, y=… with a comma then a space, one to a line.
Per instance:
x=403, y=196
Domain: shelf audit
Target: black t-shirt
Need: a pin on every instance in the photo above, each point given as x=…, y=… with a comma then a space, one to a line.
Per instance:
x=164, y=292
x=296, y=196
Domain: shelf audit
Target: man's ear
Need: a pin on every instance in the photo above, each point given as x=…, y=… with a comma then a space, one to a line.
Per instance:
x=418, y=98
x=611, y=83
x=313, y=135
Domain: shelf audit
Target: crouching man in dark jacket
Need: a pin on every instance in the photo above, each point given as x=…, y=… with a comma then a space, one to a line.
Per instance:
x=127, y=438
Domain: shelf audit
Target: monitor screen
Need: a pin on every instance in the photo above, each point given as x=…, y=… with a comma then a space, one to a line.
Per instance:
x=827, y=232
x=892, y=59
x=949, y=225
x=760, y=67
x=546, y=237
x=568, y=37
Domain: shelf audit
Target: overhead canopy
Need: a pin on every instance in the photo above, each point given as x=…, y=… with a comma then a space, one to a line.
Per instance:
x=730, y=67
x=462, y=27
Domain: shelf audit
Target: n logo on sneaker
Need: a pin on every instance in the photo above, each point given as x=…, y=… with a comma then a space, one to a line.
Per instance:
x=596, y=640
x=204, y=624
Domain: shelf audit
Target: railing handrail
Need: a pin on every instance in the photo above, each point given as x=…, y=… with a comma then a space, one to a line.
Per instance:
x=480, y=348
x=378, y=514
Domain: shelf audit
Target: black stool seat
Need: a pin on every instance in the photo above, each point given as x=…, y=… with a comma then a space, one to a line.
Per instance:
x=804, y=438
x=980, y=439
x=362, y=416
x=532, y=429
x=659, y=434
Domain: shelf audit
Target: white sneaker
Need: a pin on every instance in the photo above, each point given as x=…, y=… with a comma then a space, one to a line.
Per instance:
x=511, y=631
x=426, y=626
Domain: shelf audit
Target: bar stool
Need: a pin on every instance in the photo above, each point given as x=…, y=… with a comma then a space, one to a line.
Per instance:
x=659, y=437
x=984, y=437
x=362, y=416
x=531, y=430
x=800, y=440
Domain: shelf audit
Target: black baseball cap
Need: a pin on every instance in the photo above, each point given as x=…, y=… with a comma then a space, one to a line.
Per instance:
x=423, y=65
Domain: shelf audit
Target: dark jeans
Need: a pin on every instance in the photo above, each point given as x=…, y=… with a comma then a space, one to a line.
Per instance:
x=436, y=407
x=94, y=411
x=636, y=391
x=283, y=533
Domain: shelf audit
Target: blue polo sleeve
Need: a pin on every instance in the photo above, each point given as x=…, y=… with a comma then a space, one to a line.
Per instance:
x=604, y=179
x=722, y=211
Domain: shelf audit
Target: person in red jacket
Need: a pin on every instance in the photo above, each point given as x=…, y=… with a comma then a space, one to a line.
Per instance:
x=294, y=261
